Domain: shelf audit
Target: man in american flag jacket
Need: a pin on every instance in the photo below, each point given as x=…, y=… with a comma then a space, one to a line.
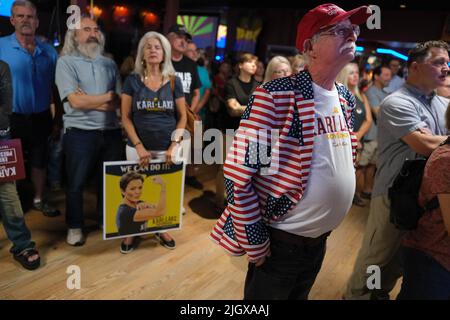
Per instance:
x=289, y=175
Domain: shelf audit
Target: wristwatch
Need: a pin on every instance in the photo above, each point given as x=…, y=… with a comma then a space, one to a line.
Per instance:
x=178, y=140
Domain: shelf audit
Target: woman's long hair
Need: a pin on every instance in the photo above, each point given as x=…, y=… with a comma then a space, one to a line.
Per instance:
x=166, y=66
x=343, y=78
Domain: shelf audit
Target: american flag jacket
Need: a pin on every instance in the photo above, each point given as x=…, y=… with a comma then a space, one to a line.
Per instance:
x=266, y=170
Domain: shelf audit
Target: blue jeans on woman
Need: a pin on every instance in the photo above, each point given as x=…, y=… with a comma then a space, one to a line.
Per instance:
x=85, y=151
x=423, y=277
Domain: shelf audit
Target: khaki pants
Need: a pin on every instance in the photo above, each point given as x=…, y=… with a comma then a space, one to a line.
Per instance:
x=379, y=247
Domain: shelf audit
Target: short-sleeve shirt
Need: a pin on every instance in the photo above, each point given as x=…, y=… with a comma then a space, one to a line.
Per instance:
x=186, y=70
x=241, y=91
x=205, y=85
x=94, y=77
x=395, y=84
x=431, y=236
x=33, y=75
x=359, y=114
x=125, y=221
x=401, y=113
x=153, y=112
x=375, y=96
x=322, y=209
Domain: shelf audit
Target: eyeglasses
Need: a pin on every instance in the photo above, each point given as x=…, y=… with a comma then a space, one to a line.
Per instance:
x=342, y=31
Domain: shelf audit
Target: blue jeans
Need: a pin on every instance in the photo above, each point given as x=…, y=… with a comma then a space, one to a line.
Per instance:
x=13, y=220
x=85, y=151
x=289, y=273
x=55, y=158
x=12, y=216
x=423, y=277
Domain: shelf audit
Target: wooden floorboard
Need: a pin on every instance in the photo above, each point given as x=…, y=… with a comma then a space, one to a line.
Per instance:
x=196, y=270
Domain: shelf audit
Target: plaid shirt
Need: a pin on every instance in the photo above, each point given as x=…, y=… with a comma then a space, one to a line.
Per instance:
x=265, y=179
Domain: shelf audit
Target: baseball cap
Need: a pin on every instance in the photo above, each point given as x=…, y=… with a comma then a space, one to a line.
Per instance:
x=181, y=30
x=327, y=15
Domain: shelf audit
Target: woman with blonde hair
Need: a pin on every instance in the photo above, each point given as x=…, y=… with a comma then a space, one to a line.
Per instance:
x=298, y=63
x=278, y=67
x=362, y=116
x=153, y=107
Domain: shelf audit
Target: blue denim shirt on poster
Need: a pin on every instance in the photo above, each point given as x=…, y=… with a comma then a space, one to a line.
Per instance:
x=33, y=75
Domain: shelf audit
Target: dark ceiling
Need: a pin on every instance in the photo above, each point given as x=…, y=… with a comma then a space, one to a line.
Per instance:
x=431, y=5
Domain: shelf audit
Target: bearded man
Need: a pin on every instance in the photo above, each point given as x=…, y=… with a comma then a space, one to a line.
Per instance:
x=89, y=84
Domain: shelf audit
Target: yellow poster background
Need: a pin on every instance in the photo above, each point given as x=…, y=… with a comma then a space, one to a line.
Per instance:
x=150, y=194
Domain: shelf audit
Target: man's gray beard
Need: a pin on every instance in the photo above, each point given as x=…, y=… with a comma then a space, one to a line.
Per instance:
x=90, y=50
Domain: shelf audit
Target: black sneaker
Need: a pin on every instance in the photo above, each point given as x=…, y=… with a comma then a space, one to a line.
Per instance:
x=127, y=248
x=167, y=244
x=358, y=201
x=366, y=195
x=46, y=209
x=194, y=183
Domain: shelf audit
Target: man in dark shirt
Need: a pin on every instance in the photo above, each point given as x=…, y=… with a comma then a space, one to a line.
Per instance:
x=186, y=70
x=11, y=211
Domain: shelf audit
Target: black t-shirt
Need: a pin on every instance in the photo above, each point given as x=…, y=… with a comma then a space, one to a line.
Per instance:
x=186, y=70
x=125, y=221
x=153, y=112
x=241, y=91
x=359, y=114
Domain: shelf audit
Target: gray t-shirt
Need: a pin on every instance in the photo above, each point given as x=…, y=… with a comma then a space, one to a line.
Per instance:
x=375, y=97
x=401, y=113
x=94, y=77
x=153, y=112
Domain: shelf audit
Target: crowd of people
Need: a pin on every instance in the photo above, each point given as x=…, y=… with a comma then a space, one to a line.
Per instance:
x=344, y=133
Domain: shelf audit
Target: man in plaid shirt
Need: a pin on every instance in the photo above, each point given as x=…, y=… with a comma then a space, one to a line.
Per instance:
x=290, y=172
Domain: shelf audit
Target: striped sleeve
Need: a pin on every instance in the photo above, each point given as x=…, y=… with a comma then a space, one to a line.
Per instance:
x=248, y=231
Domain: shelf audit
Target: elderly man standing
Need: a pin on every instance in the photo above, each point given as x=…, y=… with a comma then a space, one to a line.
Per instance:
x=88, y=83
x=282, y=207
x=411, y=124
x=32, y=64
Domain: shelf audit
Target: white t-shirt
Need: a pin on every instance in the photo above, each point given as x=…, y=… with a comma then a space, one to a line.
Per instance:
x=331, y=183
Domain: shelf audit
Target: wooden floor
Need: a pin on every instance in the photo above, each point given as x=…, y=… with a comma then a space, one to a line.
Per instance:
x=196, y=269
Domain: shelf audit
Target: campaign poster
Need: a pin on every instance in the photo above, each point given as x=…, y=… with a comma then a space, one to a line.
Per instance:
x=11, y=161
x=141, y=200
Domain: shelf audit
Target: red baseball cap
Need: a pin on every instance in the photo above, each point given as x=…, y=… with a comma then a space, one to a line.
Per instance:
x=327, y=15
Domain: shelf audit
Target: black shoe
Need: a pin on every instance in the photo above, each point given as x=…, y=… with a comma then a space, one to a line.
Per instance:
x=167, y=244
x=46, y=209
x=358, y=201
x=366, y=195
x=127, y=248
x=194, y=183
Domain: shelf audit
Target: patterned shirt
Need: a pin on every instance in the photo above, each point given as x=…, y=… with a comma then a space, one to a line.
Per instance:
x=431, y=236
x=266, y=171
